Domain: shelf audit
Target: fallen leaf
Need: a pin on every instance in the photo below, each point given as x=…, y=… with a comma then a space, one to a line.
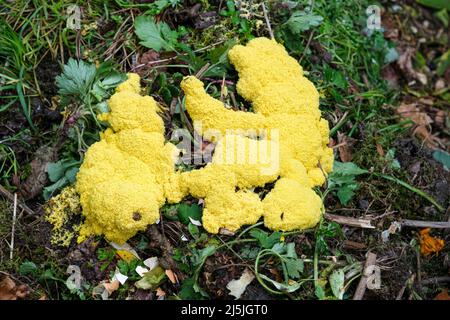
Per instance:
x=147, y=61
x=152, y=279
x=226, y=232
x=443, y=295
x=140, y=270
x=195, y=222
x=429, y=244
x=413, y=112
x=120, y=277
x=380, y=150
x=389, y=74
x=10, y=291
x=160, y=293
x=237, y=287
x=151, y=263
x=405, y=64
x=345, y=147
x=111, y=286
x=422, y=123
x=37, y=179
x=393, y=228
x=172, y=276
x=125, y=251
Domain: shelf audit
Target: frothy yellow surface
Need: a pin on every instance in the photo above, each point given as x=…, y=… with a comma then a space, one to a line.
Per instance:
x=128, y=175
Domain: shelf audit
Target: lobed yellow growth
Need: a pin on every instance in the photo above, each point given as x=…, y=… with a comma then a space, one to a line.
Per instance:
x=285, y=102
x=59, y=211
x=128, y=175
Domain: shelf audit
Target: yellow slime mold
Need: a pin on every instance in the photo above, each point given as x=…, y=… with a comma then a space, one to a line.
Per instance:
x=130, y=173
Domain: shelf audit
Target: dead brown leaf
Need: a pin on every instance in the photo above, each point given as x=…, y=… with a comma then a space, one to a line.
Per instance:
x=10, y=291
x=422, y=121
x=380, y=150
x=111, y=286
x=160, y=292
x=147, y=61
x=172, y=276
x=345, y=147
x=405, y=64
x=443, y=295
x=389, y=73
x=38, y=177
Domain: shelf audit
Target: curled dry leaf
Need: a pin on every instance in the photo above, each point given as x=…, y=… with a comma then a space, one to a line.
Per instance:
x=443, y=295
x=160, y=293
x=429, y=244
x=422, y=123
x=111, y=286
x=237, y=287
x=37, y=179
x=345, y=147
x=105, y=289
x=10, y=291
x=405, y=64
x=172, y=276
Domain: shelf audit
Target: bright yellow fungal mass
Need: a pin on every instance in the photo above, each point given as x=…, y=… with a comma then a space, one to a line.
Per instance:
x=128, y=175
x=59, y=211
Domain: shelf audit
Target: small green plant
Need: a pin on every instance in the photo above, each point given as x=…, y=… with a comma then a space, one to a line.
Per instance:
x=87, y=85
x=291, y=266
x=156, y=36
x=106, y=255
x=61, y=173
x=243, y=25
x=342, y=180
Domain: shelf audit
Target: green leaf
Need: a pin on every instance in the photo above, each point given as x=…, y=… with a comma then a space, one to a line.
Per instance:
x=347, y=168
x=186, y=211
x=337, y=279
x=27, y=267
x=76, y=78
x=302, y=21
x=281, y=286
x=51, y=189
x=320, y=293
x=55, y=171
x=443, y=64
x=156, y=36
x=48, y=275
x=193, y=230
x=442, y=157
x=187, y=291
x=436, y=4
x=390, y=158
x=199, y=256
x=123, y=267
x=290, y=250
x=294, y=267
x=152, y=279
x=346, y=193
x=391, y=55
x=264, y=239
x=442, y=15
x=71, y=174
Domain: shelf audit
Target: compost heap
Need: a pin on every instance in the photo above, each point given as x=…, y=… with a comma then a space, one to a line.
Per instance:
x=130, y=173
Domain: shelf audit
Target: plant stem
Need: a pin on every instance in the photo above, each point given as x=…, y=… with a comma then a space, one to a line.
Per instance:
x=411, y=188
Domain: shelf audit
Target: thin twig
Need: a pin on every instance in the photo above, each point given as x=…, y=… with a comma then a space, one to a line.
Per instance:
x=425, y=224
x=13, y=231
x=361, y=289
x=10, y=197
x=435, y=280
x=306, y=47
x=354, y=222
x=266, y=17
